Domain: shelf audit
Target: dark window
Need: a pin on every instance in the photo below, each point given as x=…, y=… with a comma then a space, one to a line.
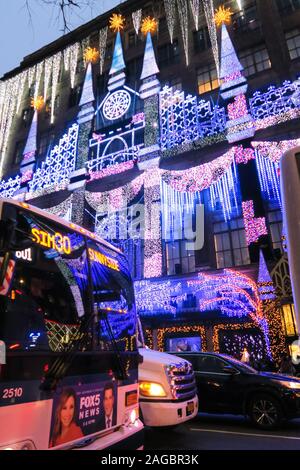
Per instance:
x=275, y=224
x=255, y=60
x=201, y=40
x=134, y=71
x=45, y=141
x=293, y=43
x=175, y=83
x=75, y=96
x=19, y=150
x=168, y=54
x=286, y=7
x=246, y=20
x=26, y=114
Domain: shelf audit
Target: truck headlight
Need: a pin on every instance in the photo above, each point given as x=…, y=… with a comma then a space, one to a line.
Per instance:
x=152, y=389
x=23, y=445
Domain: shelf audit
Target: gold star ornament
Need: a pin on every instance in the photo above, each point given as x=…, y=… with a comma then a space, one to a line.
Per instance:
x=116, y=22
x=149, y=25
x=223, y=16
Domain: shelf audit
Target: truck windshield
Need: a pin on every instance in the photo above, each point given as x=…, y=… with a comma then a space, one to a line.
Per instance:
x=60, y=278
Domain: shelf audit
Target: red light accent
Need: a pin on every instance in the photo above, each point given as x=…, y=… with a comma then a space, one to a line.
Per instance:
x=46, y=367
x=19, y=292
x=15, y=346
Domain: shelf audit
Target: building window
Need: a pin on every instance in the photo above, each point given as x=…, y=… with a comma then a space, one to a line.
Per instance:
x=255, y=60
x=179, y=260
x=19, y=150
x=207, y=78
x=201, y=40
x=46, y=140
x=75, y=96
x=246, y=20
x=230, y=244
x=275, y=224
x=134, y=71
x=169, y=54
x=288, y=320
x=175, y=83
x=286, y=7
x=293, y=43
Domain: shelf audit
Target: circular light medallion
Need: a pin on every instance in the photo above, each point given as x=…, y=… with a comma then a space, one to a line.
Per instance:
x=116, y=105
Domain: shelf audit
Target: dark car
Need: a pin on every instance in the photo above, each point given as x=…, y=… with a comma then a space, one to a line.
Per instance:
x=226, y=385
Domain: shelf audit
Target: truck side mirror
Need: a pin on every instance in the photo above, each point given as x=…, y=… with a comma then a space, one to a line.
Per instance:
x=2, y=353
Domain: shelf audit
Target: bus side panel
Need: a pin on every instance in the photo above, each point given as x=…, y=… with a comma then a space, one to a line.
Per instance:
x=26, y=421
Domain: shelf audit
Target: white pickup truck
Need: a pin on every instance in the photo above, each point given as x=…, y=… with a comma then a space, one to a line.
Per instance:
x=168, y=394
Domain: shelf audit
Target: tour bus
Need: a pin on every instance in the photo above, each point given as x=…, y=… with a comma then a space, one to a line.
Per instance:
x=68, y=337
x=290, y=190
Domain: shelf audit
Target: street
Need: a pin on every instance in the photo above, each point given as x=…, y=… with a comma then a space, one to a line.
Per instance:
x=212, y=432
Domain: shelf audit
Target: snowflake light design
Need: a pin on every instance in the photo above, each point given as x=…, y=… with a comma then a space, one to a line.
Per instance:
x=116, y=105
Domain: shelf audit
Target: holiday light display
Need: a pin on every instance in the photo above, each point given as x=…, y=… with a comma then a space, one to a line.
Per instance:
x=233, y=338
x=225, y=192
x=47, y=75
x=38, y=77
x=102, y=46
x=244, y=155
x=9, y=187
x=63, y=209
x=210, y=20
x=59, y=164
x=254, y=227
x=116, y=105
x=195, y=7
x=91, y=54
x=149, y=25
x=274, y=150
x=223, y=16
x=183, y=14
x=112, y=170
x=56, y=63
x=74, y=55
x=274, y=102
x=268, y=178
x=171, y=332
x=240, y=125
x=156, y=296
x=137, y=19
x=38, y=103
x=23, y=78
x=200, y=177
x=187, y=118
x=116, y=22
x=170, y=9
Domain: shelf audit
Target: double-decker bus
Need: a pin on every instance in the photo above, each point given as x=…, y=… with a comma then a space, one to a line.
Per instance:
x=69, y=357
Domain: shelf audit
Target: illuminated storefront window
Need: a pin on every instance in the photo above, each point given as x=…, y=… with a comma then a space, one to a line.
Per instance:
x=288, y=320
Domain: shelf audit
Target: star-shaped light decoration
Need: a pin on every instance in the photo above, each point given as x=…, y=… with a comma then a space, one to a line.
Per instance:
x=223, y=16
x=91, y=54
x=149, y=25
x=37, y=103
x=116, y=22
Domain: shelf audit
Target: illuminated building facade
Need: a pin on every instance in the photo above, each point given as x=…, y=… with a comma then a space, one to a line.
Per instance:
x=160, y=106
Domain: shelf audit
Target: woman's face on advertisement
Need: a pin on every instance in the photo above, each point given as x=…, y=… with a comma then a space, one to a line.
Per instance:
x=67, y=412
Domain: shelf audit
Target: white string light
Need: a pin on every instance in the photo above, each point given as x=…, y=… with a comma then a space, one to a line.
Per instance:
x=39, y=71
x=102, y=46
x=74, y=53
x=137, y=19
x=170, y=9
x=184, y=24
x=55, y=76
x=22, y=80
x=47, y=75
x=210, y=19
x=31, y=75
x=195, y=7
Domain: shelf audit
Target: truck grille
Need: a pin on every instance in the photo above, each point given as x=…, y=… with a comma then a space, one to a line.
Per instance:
x=182, y=380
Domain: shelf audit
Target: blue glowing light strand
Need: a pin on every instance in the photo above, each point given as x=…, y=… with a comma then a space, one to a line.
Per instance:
x=225, y=190
x=174, y=205
x=59, y=163
x=268, y=178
